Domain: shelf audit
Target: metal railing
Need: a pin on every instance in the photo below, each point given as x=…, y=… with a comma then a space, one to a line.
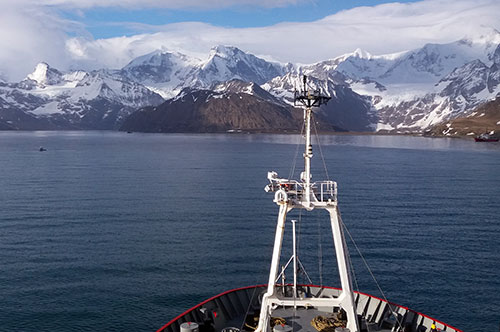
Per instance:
x=323, y=191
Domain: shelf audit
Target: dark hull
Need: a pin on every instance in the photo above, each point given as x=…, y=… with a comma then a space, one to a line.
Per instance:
x=479, y=139
x=232, y=308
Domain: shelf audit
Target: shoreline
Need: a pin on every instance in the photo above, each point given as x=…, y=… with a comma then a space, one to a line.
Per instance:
x=250, y=132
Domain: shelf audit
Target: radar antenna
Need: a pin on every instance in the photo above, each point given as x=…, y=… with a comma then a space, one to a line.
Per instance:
x=309, y=98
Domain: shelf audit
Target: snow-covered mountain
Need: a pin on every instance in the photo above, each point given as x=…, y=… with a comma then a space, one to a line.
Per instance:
x=407, y=91
x=167, y=73
x=77, y=100
x=103, y=99
x=346, y=109
x=232, y=106
x=226, y=63
x=417, y=89
x=45, y=75
x=484, y=119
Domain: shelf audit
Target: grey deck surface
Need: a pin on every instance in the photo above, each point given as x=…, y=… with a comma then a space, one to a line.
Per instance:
x=300, y=318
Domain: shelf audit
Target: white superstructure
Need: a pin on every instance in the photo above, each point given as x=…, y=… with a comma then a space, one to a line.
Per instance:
x=307, y=195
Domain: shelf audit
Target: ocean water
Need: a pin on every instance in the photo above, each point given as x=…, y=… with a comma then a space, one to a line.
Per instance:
x=110, y=231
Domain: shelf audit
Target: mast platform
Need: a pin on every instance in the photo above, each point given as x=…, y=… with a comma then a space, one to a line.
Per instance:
x=323, y=193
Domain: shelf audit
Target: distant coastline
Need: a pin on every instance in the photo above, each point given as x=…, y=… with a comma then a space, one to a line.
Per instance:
x=254, y=132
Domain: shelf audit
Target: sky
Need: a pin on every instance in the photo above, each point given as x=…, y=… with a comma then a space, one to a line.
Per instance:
x=106, y=22
x=92, y=34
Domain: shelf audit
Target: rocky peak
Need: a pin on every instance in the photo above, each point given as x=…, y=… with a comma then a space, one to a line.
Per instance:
x=496, y=56
x=470, y=69
x=487, y=35
x=225, y=63
x=45, y=75
x=235, y=86
x=225, y=51
x=241, y=87
x=156, y=67
x=359, y=53
x=467, y=80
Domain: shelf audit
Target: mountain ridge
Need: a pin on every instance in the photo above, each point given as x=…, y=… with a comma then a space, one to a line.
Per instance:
x=483, y=119
x=409, y=91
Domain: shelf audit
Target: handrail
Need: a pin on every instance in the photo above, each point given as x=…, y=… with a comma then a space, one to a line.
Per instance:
x=315, y=286
x=323, y=191
x=204, y=302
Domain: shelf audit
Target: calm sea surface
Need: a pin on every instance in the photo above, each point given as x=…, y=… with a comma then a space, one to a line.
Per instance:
x=111, y=231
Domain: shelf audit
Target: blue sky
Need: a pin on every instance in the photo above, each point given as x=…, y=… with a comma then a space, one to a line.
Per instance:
x=93, y=34
x=107, y=22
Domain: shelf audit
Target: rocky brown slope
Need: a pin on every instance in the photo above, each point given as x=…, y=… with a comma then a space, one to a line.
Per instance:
x=220, y=111
x=485, y=118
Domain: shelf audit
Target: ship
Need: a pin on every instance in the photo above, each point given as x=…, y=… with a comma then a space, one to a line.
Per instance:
x=486, y=137
x=279, y=306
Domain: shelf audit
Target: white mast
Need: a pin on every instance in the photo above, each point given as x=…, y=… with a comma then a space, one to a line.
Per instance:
x=303, y=194
x=306, y=175
x=294, y=260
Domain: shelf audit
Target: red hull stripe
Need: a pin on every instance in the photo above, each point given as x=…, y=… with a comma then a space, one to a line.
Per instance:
x=208, y=300
x=257, y=286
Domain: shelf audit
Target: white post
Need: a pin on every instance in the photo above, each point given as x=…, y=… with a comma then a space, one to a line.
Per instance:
x=273, y=273
x=307, y=157
x=283, y=279
x=278, y=242
x=294, y=260
x=347, y=295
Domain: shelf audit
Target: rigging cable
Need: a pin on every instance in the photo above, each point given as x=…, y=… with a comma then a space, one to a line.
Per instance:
x=299, y=232
x=352, y=271
x=301, y=267
x=261, y=274
x=319, y=147
x=348, y=256
x=294, y=162
x=368, y=268
x=320, y=246
x=320, y=254
x=248, y=310
x=296, y=258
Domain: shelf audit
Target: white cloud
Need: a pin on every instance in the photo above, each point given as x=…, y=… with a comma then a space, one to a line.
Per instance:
x=379, y=29
x=172, y=4
x=29, y=35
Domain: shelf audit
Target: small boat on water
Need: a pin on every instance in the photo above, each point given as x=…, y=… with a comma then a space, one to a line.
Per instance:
x=486, y=137
x=293, y=307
